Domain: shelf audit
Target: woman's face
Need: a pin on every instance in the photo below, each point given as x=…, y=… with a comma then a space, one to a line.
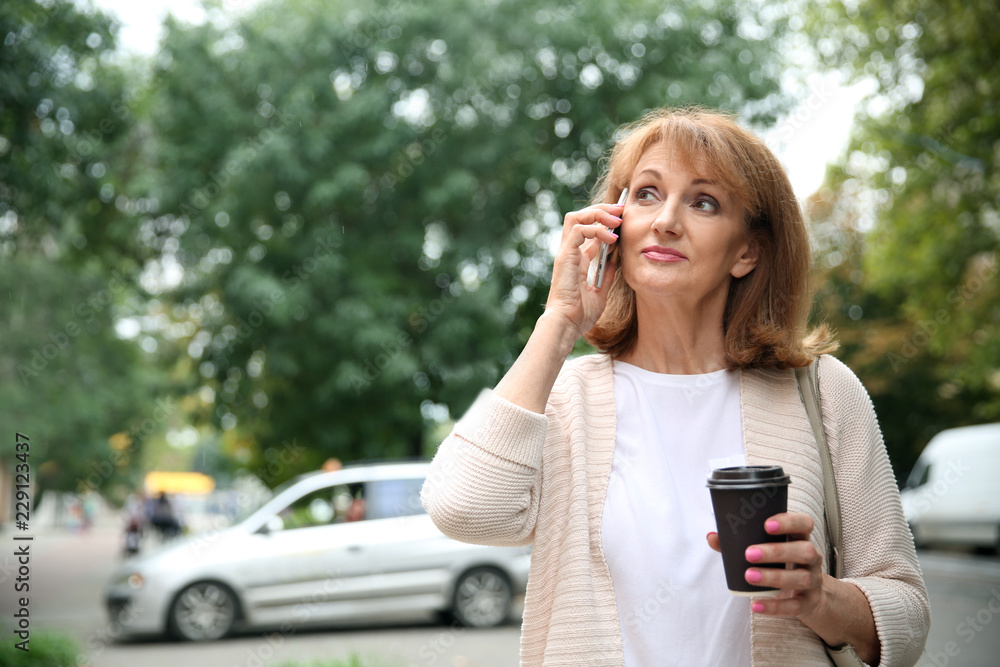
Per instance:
x=682, y=234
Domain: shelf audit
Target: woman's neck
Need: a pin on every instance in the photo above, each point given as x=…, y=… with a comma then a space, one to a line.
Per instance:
x=678, y=338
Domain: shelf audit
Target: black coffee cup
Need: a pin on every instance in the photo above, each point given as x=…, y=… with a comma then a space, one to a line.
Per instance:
x=744, y=498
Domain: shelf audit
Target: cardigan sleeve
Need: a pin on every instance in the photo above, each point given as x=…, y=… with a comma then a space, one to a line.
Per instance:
x=878, y=553
x=483, y=483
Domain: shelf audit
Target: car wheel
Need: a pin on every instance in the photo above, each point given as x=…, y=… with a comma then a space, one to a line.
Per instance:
x=202, y=612
x=482, y=598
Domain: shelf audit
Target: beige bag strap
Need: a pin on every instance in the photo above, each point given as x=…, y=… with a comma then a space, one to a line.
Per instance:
x=808, y=381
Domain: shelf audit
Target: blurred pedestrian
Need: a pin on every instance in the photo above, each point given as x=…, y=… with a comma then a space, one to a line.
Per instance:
x=134, y=514
x=88, y=509
x=164, y=518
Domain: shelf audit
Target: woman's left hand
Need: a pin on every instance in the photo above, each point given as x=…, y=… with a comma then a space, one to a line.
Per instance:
x=835, y=610
x=802, y=586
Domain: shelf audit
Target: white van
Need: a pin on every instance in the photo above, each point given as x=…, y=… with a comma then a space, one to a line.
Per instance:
x=953, y=493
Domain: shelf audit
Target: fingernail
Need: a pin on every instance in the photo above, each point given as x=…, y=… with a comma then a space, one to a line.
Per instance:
x=710, y=534
x=616, y=218
x=613, y=234
x=772, y=526
x=754, y=576
x=757, y=607
x=754, y=554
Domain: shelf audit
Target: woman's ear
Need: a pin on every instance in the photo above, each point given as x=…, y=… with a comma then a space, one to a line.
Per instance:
x=747, y=259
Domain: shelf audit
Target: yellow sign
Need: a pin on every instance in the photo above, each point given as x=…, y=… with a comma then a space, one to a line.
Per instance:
x=178, y=482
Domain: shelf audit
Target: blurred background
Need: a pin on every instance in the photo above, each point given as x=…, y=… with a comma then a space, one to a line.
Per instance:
x=242, y=239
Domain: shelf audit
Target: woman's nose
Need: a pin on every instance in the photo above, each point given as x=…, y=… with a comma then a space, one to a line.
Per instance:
x=667, y=220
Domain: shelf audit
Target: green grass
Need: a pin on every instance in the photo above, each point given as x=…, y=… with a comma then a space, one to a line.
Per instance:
x=353, y=661
x=53, y=649
x=46, y=649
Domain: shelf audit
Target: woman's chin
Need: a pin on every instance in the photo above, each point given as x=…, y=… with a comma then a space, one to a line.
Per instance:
x=686, y=291
x=660, y=284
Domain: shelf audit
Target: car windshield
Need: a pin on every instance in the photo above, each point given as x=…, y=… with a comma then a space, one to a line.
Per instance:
x=258, y=501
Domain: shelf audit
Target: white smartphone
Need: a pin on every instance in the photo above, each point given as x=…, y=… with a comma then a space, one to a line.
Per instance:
x=602, y=258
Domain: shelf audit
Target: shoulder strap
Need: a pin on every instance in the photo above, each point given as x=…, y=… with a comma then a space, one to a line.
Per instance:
x=808, y=381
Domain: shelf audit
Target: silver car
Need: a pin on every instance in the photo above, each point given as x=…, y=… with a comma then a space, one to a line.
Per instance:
x=327, y=548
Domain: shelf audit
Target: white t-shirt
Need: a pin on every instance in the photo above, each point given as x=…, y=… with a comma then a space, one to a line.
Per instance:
x=670, y=588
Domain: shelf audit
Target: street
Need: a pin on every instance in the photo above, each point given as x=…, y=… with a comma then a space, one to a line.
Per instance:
x=69, y=569
x=965, y=598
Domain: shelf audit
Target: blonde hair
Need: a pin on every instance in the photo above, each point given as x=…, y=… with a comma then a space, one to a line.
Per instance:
x=764, y=322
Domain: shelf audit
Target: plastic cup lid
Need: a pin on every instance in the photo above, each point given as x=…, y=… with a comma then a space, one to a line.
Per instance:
x=748, y=476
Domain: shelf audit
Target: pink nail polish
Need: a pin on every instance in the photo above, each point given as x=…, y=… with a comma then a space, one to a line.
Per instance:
x=754, y=554
x=757, y=607
x=754, y=576
x=772, y=526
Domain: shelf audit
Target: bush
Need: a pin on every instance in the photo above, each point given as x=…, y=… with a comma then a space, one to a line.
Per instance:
x=46, y=649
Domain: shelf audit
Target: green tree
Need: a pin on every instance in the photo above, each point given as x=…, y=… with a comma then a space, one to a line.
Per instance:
x=66, y=380
x=366, y=199
x=64, y=107
x=872, y=333
x=919, y=187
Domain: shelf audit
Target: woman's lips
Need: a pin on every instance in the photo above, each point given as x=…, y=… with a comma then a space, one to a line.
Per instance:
x=661, y=254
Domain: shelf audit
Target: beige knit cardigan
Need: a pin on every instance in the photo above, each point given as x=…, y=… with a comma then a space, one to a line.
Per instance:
x=508, y=476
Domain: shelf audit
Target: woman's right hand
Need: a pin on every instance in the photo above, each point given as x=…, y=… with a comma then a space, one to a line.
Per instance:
x=571, y=310
x=569, y=295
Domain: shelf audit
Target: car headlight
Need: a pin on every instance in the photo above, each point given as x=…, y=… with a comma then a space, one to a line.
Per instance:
x=133, y=580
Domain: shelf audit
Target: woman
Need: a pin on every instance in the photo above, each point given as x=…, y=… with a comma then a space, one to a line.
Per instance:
x=601, y=461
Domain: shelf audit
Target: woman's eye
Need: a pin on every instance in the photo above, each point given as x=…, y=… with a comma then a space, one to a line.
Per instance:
x=709, y=204
x=643, y=195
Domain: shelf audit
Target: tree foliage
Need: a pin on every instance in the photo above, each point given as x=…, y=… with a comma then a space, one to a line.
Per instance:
x=66, y=380
x=364, y=200
x=324, y=224
x=916, y=204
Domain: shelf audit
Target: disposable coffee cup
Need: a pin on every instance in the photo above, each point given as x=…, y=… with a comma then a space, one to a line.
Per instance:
x=744, y=497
